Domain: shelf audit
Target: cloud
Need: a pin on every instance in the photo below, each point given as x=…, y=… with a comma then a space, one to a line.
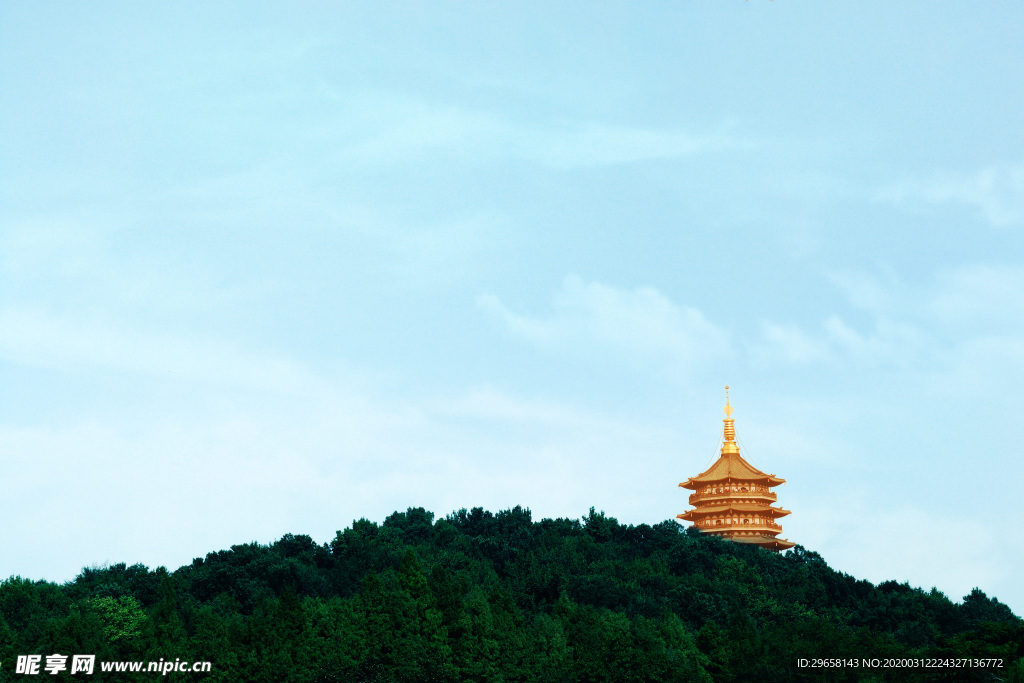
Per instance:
x=965, y=301
x=791, y=344
x=601, y=145
x=905, y=543
x=34, y=337
x=446, y=252
x=889, y=343
x=262, y=469
x=866, y=291
x=996, y=192
x=886, y=343
x=388, y=128
x=979, y=294
x=71, y=260
x=909, y=325
x=488, y=403
x=640, y=323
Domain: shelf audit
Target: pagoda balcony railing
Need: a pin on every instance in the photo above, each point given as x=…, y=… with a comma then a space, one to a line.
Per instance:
x=759, y=495
x=730, y=525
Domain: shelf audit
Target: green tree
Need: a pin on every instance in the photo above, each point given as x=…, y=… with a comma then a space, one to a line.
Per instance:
x=123, y=618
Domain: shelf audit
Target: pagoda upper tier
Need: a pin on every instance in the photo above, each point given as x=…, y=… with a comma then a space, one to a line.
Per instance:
x=733, y=499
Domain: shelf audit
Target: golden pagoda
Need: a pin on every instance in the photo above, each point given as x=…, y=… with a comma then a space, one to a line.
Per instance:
x=732, y=498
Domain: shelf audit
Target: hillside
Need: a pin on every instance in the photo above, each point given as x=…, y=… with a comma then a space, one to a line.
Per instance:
x=478, y=596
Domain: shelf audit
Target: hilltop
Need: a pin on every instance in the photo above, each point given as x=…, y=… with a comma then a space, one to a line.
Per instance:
x=499, y=597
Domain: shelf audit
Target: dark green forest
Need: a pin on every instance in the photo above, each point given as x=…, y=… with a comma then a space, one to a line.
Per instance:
x=477, y=596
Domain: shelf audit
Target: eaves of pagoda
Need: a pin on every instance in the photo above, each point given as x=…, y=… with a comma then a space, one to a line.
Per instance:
x=731, y=467
x=691, y=515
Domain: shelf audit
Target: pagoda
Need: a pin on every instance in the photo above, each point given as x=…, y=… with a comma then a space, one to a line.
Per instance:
x=733, y=499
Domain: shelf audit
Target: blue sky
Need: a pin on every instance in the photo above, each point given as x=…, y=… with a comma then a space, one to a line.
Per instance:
x=270, y=269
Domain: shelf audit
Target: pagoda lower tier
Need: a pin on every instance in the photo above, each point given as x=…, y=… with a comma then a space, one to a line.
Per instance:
x=741, y=520
x=733, y=499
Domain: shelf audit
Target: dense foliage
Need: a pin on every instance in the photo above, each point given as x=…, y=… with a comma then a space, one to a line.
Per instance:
x=497, y=597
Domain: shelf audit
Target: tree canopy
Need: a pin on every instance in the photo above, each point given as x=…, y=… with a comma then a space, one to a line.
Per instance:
x=478, y=596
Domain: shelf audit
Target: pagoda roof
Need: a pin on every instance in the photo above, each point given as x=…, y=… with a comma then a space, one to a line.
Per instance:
x=764, y=541
x=731, y=466
x=739, y=507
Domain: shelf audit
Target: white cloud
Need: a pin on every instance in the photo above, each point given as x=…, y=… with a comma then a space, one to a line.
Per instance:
x=264, y=469
x=455, y=250
x=97, y=259
x=387, y=128
x=791, y=343
x=922, y=326
x=887, y=343
x=51, y=247
x=489, y=403
x=890, y=342
x=600, y=145
x=927, y=549
x=640, y=323
x=996, y=192
x=979, y=295
x=867, y=291
x=37, y=338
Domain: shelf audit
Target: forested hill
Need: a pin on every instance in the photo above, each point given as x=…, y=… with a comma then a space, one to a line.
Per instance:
x=478, y=596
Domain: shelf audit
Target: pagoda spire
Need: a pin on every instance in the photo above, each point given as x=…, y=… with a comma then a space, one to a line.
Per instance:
x=730, y=427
